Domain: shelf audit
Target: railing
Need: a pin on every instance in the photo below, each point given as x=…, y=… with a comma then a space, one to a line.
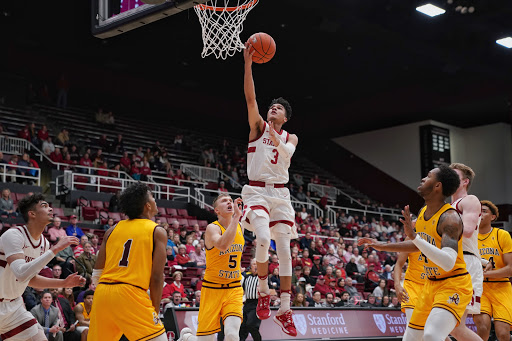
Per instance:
x=206, y=174
x=70, y=181
x=14, y=145
x=332, y=192
x=10, y=171
x=332, y=210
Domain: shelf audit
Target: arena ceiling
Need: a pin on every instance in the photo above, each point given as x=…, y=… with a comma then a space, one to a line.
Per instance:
x=346, y=66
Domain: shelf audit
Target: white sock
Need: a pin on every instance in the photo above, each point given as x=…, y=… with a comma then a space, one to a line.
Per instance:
x=285, y=303
x=263, y=283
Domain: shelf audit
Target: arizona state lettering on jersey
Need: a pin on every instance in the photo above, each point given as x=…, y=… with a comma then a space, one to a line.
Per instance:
x=427, y=230
x=493, y=246
x=415, y=268
x=130, y=239
x=224, y=266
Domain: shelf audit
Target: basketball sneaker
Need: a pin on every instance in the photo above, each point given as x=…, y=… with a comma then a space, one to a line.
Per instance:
x=185, y=334
x=263, y=308
x=285, y=321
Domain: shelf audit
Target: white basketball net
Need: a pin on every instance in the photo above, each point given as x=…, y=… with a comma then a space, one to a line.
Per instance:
x=222, y=25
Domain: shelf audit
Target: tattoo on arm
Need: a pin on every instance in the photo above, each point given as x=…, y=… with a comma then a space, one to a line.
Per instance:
x=450, y=229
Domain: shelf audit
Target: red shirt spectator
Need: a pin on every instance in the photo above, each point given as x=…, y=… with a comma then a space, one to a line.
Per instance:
x=274, y=263
x=24, y=133
x=42, y=134
x=56, y=156
x=145, y=170
x=321, y=286
x=86, y=161
x=125, y=161
x=104, y=171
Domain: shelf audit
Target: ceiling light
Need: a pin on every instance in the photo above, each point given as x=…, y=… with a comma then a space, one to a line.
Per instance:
x=507, y=42
x=430, y=10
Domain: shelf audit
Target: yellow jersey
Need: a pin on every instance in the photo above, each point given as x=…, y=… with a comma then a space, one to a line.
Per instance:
x=223, y=267
x=87, y=315
x=129, y=253
x=493, y=246
x=427, y=230
x=414, y=271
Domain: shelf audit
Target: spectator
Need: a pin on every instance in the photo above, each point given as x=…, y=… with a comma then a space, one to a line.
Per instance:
x=24, y=133
x=176, y=285
x=331, y=258
x=340, y=286
x=274, y=263
x=56, y=231
x=42, y=134
x=110, y=223
x=316, y=269
x=63, y=137
x=48, y=317
x=176, y=301
x=73, y=229
x=79, y=249
x=183, y=233
x=222, y=187
x=57, y=271
x=351, y=269
x=25, y=162
x=125, y=162
x=305, y=242
x=117, y=145
x=275, y=281
x=182, y=258
x=329, y=301
x=74, y=154
x=306, y=261
x=190, y=244
x=66, y=261
x=387, y=273
x=344, y=301
x=114, y=202
x=299, y=301
x=321, y=287
x=300, y=194
x=67, y=293
x=82, y=314
x=306, y=274
x=89, y=286
x=94, y=239
x=381, y=290
x=395, y=303
x=371, y=302
x=361, y=266
x=297, y=273
x=13, y=170
x=385, y=301
x=349, y=287
x=198, y=256
x=6, y=204
x=86, y=162
x=317, y=299
x=87, y=258
x=103, y=142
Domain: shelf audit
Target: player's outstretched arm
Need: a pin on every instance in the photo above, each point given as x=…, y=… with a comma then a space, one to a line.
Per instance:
x=397, y=276
x=156, y=284
x=450, y=229
x=471, y=209
x=405, y=246
x=255, y=120
x=222, y=241
x=41, y=282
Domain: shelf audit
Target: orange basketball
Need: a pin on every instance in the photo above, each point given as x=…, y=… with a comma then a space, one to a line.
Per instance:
x=264, y=46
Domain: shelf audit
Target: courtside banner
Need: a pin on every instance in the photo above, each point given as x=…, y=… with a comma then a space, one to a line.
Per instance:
x=317, y=323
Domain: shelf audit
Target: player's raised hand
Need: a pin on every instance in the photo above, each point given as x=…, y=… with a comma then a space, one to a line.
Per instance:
x=64, y=242
x=367, y=242
x=407, y=222
x=74, y=280
x=237, y=207
x=248, y=53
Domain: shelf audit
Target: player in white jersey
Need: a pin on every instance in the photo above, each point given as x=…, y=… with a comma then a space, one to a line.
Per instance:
x=267, y=207
x=23, y=253
x=470, y=209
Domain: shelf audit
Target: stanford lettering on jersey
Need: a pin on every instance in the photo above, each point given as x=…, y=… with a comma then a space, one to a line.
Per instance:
x=268, y=141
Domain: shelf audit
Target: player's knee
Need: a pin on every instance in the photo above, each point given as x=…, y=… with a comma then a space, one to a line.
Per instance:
x=262, y=245
x=503, y=335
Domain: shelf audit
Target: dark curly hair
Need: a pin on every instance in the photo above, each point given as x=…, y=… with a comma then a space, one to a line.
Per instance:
x=285, y=104
x=449, y=179
x=133, y=199
x=29, y=203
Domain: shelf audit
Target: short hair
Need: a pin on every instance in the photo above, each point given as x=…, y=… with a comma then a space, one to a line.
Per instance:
x=285, y=104
x=88, y=293
x=133, y=199
x=176, y=292
x=467, y=172
x=492, y=207
x=449, y=179
x=28, y=203
x=218, y=198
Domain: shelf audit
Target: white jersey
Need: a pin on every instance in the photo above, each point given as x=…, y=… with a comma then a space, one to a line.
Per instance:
x=469, y=244
x=263, y=160
x=13, y=241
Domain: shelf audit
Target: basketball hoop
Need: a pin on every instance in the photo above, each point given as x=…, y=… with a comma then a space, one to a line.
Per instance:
x=221, y=26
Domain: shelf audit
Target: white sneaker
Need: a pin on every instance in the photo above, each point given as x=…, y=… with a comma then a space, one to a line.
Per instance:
x=184, y=334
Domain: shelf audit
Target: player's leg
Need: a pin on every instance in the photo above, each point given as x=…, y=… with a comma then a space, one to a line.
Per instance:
x=232, y=328
x=187, y=335
x=440, y=323
x=483, y=325
x=502, y=330
x=161, y=337
x=462, y=332
x=413, y=334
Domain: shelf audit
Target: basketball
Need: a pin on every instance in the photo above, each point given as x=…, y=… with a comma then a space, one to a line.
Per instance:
x=264, y=47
